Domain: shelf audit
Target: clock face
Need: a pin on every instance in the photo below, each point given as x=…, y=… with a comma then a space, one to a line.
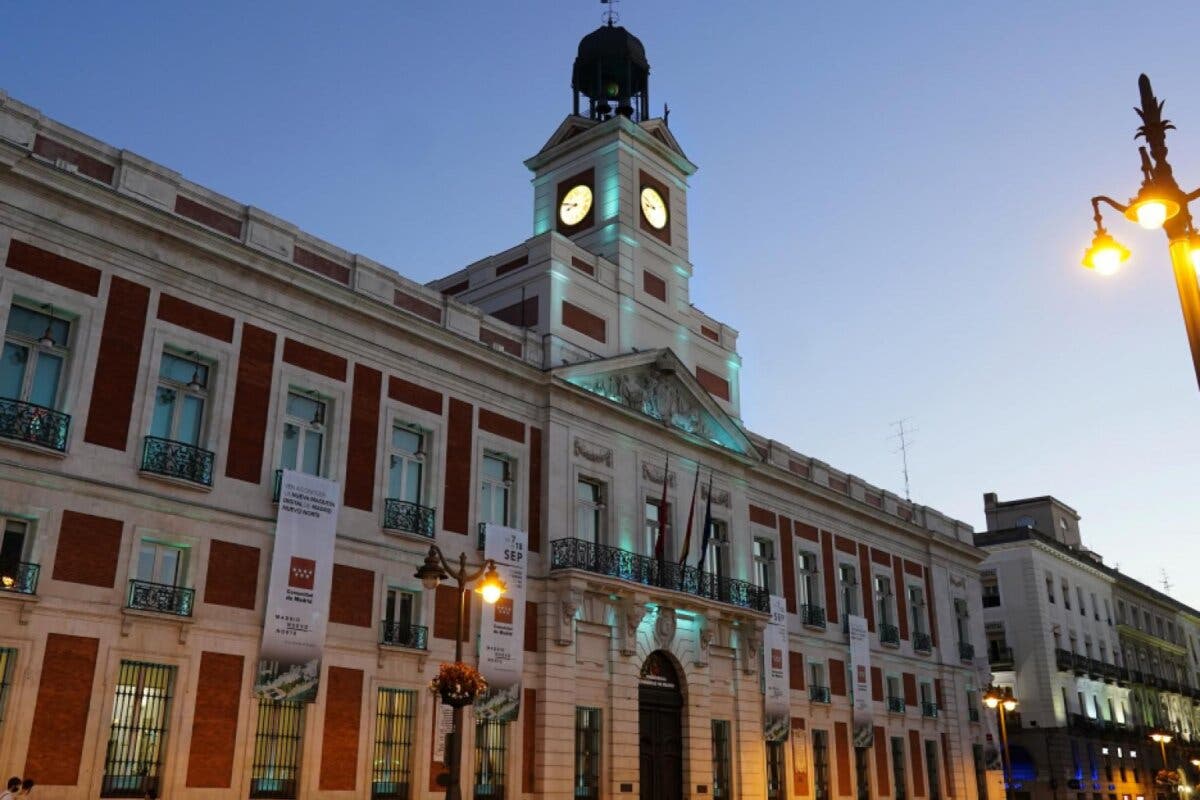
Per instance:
x=576, y=205
x=654, y=208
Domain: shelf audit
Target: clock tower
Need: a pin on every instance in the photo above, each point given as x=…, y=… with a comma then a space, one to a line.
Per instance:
x=607, y=270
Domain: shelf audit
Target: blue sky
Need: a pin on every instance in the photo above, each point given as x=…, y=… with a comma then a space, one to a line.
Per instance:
x=891, y=203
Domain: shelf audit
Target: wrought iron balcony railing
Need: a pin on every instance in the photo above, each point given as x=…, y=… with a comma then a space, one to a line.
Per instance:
x=401, y=515
x=402, y=634
x=19, y=577
x=929, y=709
x=177, y=460
x=617, y=563
x=819, y=694
x=34, y=424
x=1001, y=658
x=895, y=705
x=966, y=651
x=922, y=642
x=889, y=634
x=1063, y=659
x=161, y=597
x=991, y=601
x=812, y=616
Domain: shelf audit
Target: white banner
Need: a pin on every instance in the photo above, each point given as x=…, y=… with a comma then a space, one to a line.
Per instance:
x=502, y=630
x=860, y=671
x=775, y=666
x=289, y=664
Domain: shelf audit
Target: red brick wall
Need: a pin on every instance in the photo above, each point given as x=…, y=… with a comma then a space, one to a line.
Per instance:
x=457, y=490
x=883, y=776
x=339, y=741
x=232, y=575
x=713, y=383
x=931, y=604
x=865, y=581
x=321, y=265
x=117, y=364
x=198, y=212
x=363, y=440
x=86, y=165
x=512, y=266
x=654, y=285
x=788, y=556
x=901, y=598
x=876, y=683
x=761, y=516
x=414, y=395
x=351, y=596
x=195, y=318
x=531, y=627
x=946, y=765
x=88, y=549
x=214, y=724
x=535, y=489
x=416, y=305
x=314, y=359
x=831, y=587
x=910, y=689
x=54, y=268
x=445, y=614
x=837, y=677
x=841, y=741
x=584, y=321
x=501, y=425
x=795, y=670
x=61, y=714
x=805, y=531
x=529, y=741
x=251, y=399
x=918, y=765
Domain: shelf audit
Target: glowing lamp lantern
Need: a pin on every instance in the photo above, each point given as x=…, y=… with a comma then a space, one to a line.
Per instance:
x=1105, y=254
x=491, y=587
x=1150, y=210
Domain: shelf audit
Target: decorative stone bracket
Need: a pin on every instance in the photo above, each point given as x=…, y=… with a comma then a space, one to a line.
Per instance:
x=568, y=606
x=632, y=615
x=750, y=644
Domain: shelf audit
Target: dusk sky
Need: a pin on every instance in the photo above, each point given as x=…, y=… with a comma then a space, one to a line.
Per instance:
x=891, y=205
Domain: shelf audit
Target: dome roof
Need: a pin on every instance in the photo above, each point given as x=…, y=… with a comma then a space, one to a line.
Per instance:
x=612, y=43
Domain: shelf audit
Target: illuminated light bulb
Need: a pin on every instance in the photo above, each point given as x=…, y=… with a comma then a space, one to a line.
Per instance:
x=1107, y=260
x=1105, y=254
x=491, y=593
x=1152, y=214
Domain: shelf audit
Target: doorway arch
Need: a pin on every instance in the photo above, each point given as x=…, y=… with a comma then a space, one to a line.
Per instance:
x=660, y=728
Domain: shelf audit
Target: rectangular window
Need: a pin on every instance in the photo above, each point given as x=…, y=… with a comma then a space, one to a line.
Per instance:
x=1050, y=589
x=916, y=602
x=820, y=744
x=1121, y=612
x=764, y=564
x=776, y=787
x=991, y=589
x=1066, y=595
x=981, y=781
x=810, y=579
x=1095, y=607
x=304, y=433
x=716, y=558
x=400, y=619
x=1079, y=597
x=391, y=762
x=8, y=661
x=587, y=753
x=898, y=774
x=883, y=598
x=848, y=582
x=722, y=760
x=15, y=574
x=862, y=772
x=962, y=620
x=495, y=486
x=35, y=355
x=589, y=511
x=162, y=563
x=180, y=399
x=406, y=464
x=138, y=733
x=652, y=512
x=278, y=741
x=491, y=749
x=931, y=769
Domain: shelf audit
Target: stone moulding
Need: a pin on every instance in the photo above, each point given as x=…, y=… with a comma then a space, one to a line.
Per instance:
x=594, y=453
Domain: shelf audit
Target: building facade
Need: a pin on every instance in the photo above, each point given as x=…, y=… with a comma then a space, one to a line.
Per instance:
x=1097, y=661
x=168, y=352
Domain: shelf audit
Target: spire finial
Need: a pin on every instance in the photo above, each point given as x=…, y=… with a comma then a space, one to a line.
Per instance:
x=610, y=16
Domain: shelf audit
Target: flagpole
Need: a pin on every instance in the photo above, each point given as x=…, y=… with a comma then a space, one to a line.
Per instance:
x=687, y=534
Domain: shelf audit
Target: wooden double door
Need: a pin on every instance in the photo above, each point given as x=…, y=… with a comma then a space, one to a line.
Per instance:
x=660, y=743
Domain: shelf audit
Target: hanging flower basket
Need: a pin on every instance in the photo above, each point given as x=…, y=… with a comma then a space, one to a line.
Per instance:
x=1166, y=777
x=458, y=684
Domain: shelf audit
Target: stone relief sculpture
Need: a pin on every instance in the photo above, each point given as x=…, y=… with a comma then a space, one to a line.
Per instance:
x=664, y=627
x=594, y=453
x=634, y=614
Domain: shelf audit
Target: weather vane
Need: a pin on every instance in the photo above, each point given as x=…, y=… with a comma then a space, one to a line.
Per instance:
x=611, y=15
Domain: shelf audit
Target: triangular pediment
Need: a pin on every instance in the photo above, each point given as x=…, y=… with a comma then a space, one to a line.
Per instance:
x=657, y=385
x=657, y=128
x=571, y=127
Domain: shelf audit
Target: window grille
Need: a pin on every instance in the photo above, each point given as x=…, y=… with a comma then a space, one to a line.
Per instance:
x=8, y=660
x=391, y=765
x=278, y=740
x=900, y=792
x=136, y=741
x=820, y=745
x=491, y=748
x=587, y=753
x=722, y=786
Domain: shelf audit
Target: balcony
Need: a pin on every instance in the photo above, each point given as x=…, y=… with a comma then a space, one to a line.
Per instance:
x=160, y=597
x=1001, y=658
x=812, y=616
x=19, y=577
x=991, y=601
x=929, y=709
x=34, y=424
x=895, y=705
x=402, y=634
x=1063, y=659
x=966, y=652
x=818, y=694
x=401, y=515
x=177, y=460
x=922, y=643
x=889, y=635
x=616, y=563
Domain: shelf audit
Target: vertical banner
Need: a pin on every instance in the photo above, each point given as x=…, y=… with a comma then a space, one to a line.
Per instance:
x=289, y=666
x=776, y=709
x=502, y=630
x=860, y=669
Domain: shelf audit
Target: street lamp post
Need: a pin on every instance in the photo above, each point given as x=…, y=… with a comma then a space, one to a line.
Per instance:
x=1159, y=203
x=435, y=570
x=1003, y=702
x=1162, y=739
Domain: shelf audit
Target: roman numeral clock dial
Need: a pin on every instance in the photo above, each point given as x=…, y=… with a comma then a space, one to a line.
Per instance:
x=654, y=209
x=576, y=205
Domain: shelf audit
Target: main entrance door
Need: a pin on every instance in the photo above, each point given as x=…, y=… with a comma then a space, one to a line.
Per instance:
x=660, y=730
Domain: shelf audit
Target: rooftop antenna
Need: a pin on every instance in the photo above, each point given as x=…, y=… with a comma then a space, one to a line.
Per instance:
x=610, y=16
x=1165, y=581
x=902, y=435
